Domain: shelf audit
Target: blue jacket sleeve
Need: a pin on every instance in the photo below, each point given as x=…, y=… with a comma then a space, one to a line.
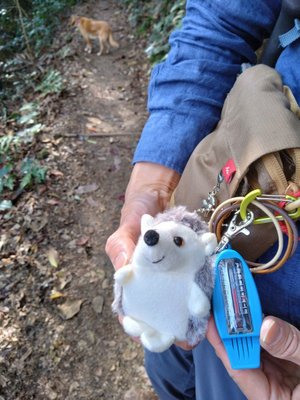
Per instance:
x=187, y=91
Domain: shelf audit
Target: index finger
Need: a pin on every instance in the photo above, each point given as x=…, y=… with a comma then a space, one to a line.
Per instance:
x=252, y=382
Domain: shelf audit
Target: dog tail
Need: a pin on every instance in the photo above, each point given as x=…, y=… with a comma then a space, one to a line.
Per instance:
x=112, y=42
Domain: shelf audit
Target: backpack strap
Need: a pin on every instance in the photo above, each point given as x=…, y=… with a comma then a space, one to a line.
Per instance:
x=294, y=107
x=290, y=9
x=274, y=167
x=295, y=155
x=267, y=174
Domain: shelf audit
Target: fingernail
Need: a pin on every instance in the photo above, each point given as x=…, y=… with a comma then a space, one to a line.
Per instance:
x=271, y=332
x=120, y=260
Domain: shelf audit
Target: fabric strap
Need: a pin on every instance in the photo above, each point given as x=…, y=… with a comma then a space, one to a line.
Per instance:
x=290, y=36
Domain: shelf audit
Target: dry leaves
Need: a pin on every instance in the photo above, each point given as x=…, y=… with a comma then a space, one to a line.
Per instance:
x=86, y=189
x=97, y=304
x=70, y=308
x=53, y=257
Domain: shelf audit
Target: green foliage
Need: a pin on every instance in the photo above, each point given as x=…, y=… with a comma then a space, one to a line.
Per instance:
x=27, y=113
x=8, y=144
x=32, y=172
x=52, y=83
x=45, y=17
x=155, y=19
x=18, y=170
x=40, y=19
x=7, y=179
x=27, y=30
x=24, y=25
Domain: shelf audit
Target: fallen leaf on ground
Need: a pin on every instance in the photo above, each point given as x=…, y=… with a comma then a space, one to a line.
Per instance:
x=91, y=202
x=56, y=172
x=91, y=127
x=94, y=120
x=53, y=202
x=82, y=241
x=135, y=393
x=97, y=304
x=129, y=355
x=3, y=241
x=86, y=188
x=70, y=308
x=64, y=281
x=55, y=294
x=52, y=255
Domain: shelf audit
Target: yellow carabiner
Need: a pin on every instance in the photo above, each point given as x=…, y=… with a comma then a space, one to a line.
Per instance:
x=247, y=201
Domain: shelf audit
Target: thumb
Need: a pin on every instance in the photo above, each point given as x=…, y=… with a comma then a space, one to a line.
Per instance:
x=119, y=247
x=280, y=339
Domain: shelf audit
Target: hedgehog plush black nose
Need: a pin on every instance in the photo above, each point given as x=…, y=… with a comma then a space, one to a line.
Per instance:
x=151, y=237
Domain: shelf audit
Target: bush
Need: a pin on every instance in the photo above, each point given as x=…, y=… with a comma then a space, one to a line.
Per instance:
x=155, y=19
x=26, y=33
x=18, y=167
x=29, y=24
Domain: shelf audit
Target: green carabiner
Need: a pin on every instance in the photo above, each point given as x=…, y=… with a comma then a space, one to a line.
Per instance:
x=294, y=215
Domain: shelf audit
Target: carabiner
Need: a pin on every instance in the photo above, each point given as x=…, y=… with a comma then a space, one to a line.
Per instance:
x=234, y=229
x=247, y=201
x=291, y=206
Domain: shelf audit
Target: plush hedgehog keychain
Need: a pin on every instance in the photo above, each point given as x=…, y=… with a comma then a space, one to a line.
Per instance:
x=164, y=294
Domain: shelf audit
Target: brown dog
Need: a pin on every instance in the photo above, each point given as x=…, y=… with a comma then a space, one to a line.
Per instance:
x=92, y=29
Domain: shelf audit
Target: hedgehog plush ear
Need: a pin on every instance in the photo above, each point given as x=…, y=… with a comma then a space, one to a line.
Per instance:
x=209, y=241
x=146, y=222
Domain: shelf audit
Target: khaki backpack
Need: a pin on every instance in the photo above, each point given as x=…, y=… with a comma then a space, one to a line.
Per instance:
x=255, y=145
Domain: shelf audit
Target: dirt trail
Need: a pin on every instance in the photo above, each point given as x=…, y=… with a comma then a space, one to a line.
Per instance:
x=58, y=337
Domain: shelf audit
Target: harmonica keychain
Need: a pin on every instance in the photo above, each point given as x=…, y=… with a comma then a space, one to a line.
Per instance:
x=236, y=305
x=237, y=310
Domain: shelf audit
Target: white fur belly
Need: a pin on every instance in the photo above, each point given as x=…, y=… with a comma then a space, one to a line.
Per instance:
x=161, y=302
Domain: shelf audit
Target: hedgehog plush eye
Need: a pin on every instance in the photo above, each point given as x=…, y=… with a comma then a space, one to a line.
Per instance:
x=178, y=241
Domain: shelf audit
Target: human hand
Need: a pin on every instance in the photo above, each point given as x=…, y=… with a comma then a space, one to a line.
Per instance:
x=148, y=192
x=278, y=378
